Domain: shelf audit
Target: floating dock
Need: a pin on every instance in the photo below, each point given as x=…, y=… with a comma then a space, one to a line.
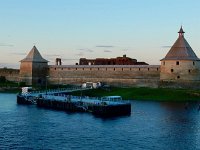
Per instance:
x=105, y=106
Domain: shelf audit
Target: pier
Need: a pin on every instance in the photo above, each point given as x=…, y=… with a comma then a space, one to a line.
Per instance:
x=61, y=100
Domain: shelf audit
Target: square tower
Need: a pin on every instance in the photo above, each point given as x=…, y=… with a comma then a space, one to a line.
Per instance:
x=33, y=68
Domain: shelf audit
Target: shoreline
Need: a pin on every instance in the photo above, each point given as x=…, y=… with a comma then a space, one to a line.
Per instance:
x=12, y=90
x=146, y=94
x=133, y=93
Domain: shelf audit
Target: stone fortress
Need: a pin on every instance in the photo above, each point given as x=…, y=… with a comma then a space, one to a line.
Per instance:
x=180, y=68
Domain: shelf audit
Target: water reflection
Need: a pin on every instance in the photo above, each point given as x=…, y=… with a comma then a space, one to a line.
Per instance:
x=181, y=125
x=152, y=125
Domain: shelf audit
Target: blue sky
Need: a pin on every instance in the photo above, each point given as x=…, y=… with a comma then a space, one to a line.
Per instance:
x=70, y=29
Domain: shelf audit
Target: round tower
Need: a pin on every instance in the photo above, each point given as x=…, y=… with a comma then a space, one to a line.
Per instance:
x=180, y=63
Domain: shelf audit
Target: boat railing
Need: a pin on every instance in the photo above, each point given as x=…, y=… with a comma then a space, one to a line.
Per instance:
x=54, y=91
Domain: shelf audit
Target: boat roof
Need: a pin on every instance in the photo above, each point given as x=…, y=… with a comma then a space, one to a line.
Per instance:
x=113, y=96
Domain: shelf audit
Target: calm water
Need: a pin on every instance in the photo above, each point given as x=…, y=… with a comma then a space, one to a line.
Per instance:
x=152, y=125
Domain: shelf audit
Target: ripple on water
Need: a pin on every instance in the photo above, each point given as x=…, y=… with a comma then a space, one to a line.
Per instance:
x=151, y=126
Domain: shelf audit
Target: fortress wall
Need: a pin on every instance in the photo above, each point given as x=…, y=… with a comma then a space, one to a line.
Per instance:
x=126, y=75
x=10, y=74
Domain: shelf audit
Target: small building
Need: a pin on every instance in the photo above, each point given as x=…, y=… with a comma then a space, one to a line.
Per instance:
x=33, y=68
x=180, y=63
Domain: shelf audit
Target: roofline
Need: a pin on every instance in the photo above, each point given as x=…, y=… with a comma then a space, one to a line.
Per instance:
x=104, y=66
x=46, y=61
x=195, y=59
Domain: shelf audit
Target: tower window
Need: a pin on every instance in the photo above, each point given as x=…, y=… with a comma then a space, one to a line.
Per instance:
x=177, y=63
x=193, y=63
x=148, y=69
x=189, y=70
x=130, y=69
x=178, y=77
x=114, y=68
x=172, y=70
x=122, y=69
x=139, y=69
x=163, y=62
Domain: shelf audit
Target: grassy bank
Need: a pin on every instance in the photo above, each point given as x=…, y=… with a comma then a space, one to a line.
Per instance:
x=10, y=89
x=157, y=94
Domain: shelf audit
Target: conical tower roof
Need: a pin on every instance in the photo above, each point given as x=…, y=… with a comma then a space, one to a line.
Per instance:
x=34, y=56
x=181, y=50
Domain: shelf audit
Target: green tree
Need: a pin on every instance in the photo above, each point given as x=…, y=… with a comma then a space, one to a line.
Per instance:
x=2, y=79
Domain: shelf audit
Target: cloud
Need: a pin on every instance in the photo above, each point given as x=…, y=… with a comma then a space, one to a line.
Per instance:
x=166, y=46
x=51, y=55
x=6, y=45
x=105, y=46
x=18, y=54
x=107, y=51
x=80, y=54
x=86, y=50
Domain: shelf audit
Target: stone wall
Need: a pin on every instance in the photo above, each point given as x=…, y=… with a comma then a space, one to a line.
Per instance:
x=10, y=74
x=116, y=75
x=122, y=76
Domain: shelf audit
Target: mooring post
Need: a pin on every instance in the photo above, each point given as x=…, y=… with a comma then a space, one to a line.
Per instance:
x=46, y=83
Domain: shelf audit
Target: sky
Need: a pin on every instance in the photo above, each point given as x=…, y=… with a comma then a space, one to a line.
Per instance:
x=73, y=29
